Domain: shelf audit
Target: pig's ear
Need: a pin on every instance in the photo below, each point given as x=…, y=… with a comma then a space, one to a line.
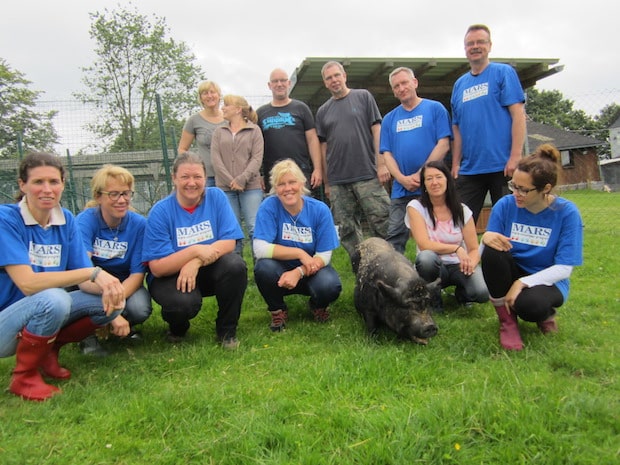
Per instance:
x=434, y=284
x=388, y=290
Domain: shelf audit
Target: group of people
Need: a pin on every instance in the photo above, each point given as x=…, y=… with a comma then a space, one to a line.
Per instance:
x=63, y=277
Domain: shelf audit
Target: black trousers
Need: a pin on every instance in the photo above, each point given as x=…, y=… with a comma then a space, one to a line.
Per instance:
x=226, y=279
x=535, y=303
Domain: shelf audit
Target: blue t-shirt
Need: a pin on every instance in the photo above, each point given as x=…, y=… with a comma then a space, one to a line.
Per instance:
x=411, y=136
x=480, y=110
x=118, y=251
x=170, y=228
x=312, y=229
x=553, y=236
x=56, y=248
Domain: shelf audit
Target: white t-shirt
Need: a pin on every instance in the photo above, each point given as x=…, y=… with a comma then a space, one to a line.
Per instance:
x=445, y=231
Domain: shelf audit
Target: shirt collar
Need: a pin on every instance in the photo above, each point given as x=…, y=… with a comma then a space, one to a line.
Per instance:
x=57, y=216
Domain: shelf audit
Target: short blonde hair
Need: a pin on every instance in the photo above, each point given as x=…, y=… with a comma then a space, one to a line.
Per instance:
x=100, y=179
x=206, y=86
x=287, y=166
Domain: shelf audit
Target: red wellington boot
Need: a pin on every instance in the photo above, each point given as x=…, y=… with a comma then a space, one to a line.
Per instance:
x=27, y=381
x=73, y=332
x=509, y=336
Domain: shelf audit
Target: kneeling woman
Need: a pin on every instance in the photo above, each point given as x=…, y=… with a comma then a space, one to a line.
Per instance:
x=533, y=241
x=293, y=242
x=42, y=254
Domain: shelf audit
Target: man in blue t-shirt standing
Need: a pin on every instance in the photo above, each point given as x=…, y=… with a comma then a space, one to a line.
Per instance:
x=488, y=123
x=416, y=131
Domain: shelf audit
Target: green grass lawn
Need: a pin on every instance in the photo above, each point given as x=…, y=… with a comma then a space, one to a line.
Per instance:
x=326, y=394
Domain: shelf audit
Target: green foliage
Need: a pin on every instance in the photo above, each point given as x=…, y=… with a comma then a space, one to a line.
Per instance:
x=326, y=394
x=137, y=60
x=550, y=107
x=18, y=115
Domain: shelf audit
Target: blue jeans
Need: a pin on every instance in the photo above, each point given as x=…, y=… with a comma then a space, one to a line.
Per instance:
x=398, y=232
x=245, y=205
x=137, y=307
x=324, y=287
x=470, y=288
x=84, y=304
x=45, y=313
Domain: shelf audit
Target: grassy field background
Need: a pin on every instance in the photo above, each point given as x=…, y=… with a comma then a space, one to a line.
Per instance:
x=326, y=394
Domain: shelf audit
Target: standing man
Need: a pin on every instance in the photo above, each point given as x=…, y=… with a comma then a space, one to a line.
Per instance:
x=416, y=131
x=348, y=126
x=289, y=132
x=488, y=123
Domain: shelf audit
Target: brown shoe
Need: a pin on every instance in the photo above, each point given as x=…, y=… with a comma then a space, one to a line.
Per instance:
x=321, y=315
x=278, y=320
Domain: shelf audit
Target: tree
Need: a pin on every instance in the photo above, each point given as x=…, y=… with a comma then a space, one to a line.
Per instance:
x=18, y=116
x=550, y=107
x=136, y=61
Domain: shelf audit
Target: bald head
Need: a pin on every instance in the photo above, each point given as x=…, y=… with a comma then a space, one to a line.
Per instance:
x=279, y=85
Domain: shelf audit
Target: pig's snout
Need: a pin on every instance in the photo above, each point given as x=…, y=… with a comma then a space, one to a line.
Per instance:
x=429, y=330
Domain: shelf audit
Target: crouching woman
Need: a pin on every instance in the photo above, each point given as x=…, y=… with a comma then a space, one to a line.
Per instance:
x=293, y=242
x=42, y=254
x=534, y=239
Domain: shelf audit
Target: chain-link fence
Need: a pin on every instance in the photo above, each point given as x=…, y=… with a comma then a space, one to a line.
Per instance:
x=83, y=154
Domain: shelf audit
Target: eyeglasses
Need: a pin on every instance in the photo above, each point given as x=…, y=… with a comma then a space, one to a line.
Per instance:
x=115, y=195
x=476, y=42
x=520, y=190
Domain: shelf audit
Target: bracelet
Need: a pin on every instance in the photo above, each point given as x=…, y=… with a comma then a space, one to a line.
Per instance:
x=301, y=271
x=94, y=274
x=457, y=249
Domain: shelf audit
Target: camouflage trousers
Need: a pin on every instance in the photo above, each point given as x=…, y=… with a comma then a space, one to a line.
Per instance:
x=354, y=201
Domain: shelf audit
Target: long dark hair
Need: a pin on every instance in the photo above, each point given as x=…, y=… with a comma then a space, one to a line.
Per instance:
x=453, y=201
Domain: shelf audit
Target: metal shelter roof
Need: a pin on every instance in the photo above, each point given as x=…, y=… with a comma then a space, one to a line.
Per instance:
x=436, y=76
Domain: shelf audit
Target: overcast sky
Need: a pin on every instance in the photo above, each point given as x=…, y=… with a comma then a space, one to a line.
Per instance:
x=238, y=43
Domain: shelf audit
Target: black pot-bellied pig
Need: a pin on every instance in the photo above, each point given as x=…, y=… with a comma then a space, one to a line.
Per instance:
x=389, y=292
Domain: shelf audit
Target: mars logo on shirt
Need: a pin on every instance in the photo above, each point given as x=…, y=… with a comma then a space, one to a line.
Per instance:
x=45, y=255
x=409, y=124
x=299, y=234
x=531, y=235
x=279, y=121
x=107, y=250
x=194, y=234
x=474, y=92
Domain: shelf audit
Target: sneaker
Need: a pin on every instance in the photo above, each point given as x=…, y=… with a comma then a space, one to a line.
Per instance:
x=230, y=343
x=321, y=315
x=134, y=335
x=278, y=320
x=90, y=346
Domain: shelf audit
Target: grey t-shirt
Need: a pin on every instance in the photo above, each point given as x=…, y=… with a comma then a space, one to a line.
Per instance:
x=203, y=132
x=345, y=125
